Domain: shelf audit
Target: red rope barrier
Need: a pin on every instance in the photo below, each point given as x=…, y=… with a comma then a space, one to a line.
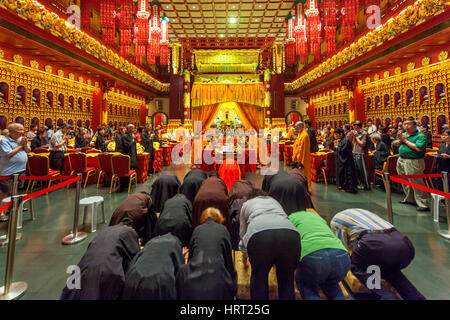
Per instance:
x=56, y=186
x=5, y=206
x=5, y=178
x=420, y=187
x=418, y=176
x=46, y=177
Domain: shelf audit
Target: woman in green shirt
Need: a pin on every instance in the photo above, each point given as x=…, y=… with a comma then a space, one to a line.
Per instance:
x=324, y=262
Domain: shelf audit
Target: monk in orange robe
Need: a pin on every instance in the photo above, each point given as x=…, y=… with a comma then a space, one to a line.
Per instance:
x=301, y=152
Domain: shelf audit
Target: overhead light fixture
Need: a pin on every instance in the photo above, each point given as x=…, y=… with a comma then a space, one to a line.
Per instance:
x=221, y=35
x=256, y=20
x=233, y=20
x=193, y=7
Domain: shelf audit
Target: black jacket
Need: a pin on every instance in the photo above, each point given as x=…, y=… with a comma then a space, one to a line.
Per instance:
x=100, y=143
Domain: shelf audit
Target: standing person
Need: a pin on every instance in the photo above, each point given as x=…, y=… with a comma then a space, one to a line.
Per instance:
x=393, y=136
x=329, y=139
x=100, y=141
x=32, y=133
x=292, y=133
x=375, y=242
x=139, y=132
x=80, y=139
x=312, y=137
x=147, y=143
x=345, y=165
x=13, y=159
x=264, y=229
x=412, y=149
x=118, y=139
x=424, y=129
x=301, y=151
x=58, y=145
x=324, y=261
x=349, y=134
x=371, y=128
x=381, y=152
x=40, y=140
x=50, y=132
x=129, y=146
x=5, y=134
x=443, y=159
x=360, y=149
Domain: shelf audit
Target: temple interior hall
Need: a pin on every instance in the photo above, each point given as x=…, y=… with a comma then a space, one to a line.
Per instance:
x=142, y=139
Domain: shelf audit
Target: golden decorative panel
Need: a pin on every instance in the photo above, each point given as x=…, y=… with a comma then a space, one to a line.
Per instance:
x=80, y=79
x=443, y=55
x=398, y=70
x=386, y=74
x=89, y=82
x=61, y=73
x=34, y=64
x=367, y=80
x=425, y=61
x=410, y=66
x=18, y=59
x=360, y=83
x=376, y=77
x=211, y=61
x=71, y=76
x=48, y=69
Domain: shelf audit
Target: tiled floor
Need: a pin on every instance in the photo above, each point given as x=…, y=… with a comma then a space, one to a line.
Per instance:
x=41, y=260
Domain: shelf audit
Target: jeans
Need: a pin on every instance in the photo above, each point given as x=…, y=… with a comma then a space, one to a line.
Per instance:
x=323, y=268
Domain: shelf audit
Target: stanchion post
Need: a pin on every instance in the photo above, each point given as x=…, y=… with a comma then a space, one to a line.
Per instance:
x=10, y=290
x=446, y=233
x=4, y=240
x=387, y=186
x=75, y=236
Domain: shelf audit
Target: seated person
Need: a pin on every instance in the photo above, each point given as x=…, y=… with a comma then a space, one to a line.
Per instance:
x=135, y=208
x=209, y=273
x=443, y=160
x=80, y=139
x=381, y=152
x=425, y=130
x=104, y=264
x=324, y=261
x=100, y=143
x=152, y=273
x=375, y=242
x=176, y=217
x=40, y=141
x=264, y=229
x=328, y=143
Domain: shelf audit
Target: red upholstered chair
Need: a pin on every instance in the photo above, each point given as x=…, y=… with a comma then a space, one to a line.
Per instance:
x=121, y=168
x=41, y=150
x=329, y=170
x=78, y=164
x=389, y=166
x=85, y=149
x=430, y=164
x=38, y=165
x=104, y=161
x=92, y=150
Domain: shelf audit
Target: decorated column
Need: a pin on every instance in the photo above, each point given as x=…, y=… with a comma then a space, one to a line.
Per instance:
x=187, y=94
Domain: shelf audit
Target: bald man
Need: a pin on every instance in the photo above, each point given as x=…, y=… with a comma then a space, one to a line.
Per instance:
x=301, y=152
x=13, y=157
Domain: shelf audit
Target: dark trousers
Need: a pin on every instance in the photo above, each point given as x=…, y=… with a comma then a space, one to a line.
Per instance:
x=361, y=170
x=56, y=159
x=325, y=269
x=391, y=252
x=279, y=247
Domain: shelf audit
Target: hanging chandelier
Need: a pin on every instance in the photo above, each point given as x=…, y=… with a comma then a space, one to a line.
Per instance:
x=164, y=43
x=301, y=43
x=290, y=41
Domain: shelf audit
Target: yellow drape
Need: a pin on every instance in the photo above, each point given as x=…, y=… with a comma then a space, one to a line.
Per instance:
x=211, y=93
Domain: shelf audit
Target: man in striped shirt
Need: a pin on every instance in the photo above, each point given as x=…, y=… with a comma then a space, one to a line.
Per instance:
x=375, y=242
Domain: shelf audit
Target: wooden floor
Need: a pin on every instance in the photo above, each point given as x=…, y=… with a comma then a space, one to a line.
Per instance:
x=41, y=260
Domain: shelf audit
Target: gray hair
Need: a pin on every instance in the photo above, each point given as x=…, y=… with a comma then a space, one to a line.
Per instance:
x=5, y=132
x=129, y=126
x=13, y=127
x=376, y=137
x=299, y=124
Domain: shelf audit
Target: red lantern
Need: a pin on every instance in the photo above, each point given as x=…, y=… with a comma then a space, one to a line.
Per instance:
x=314, y=26
x=329, y=14
x=164, y=43
x=155, y=33
x=350, y=11
x=126, y=26
x=301, y=46
x=107, y=20
x=141, y=31
x=290, y=41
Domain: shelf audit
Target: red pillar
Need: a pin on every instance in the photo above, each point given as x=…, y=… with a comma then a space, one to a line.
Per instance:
x=277, y=92
x=176, y=97
x=359, y=105
x=143, y=115
x=97, y=109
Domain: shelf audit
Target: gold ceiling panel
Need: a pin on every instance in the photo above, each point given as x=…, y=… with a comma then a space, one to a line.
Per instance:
x=208, y=61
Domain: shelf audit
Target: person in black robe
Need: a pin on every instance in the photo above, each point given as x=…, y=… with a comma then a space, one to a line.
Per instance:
x=176, y=218
x=297, y=173
x=40, y=140
x=80, y=139
x=212, y=193
x=136, y=207
x=164, y=188
x=268, y=180
x=152, y=273
x=312, y=137
x=192, y=182
x=425, y=130
x=443, y=159
x=118, y=139
x=383, y=131
x=288, y=191
x=345, y=165
x=100, y=143
x=209, y=273
x=104, y=265
x=240, y=189
x=381, y=152
x=147, y=143
x=129, y=146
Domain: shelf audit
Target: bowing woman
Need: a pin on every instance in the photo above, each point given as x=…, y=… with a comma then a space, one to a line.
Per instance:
x=345, y=165
x=164, y=188
x=104, y=265
x=209, y=273
x=176, y=217
x=192, y=182
x=289, y=192
x=152, y=272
